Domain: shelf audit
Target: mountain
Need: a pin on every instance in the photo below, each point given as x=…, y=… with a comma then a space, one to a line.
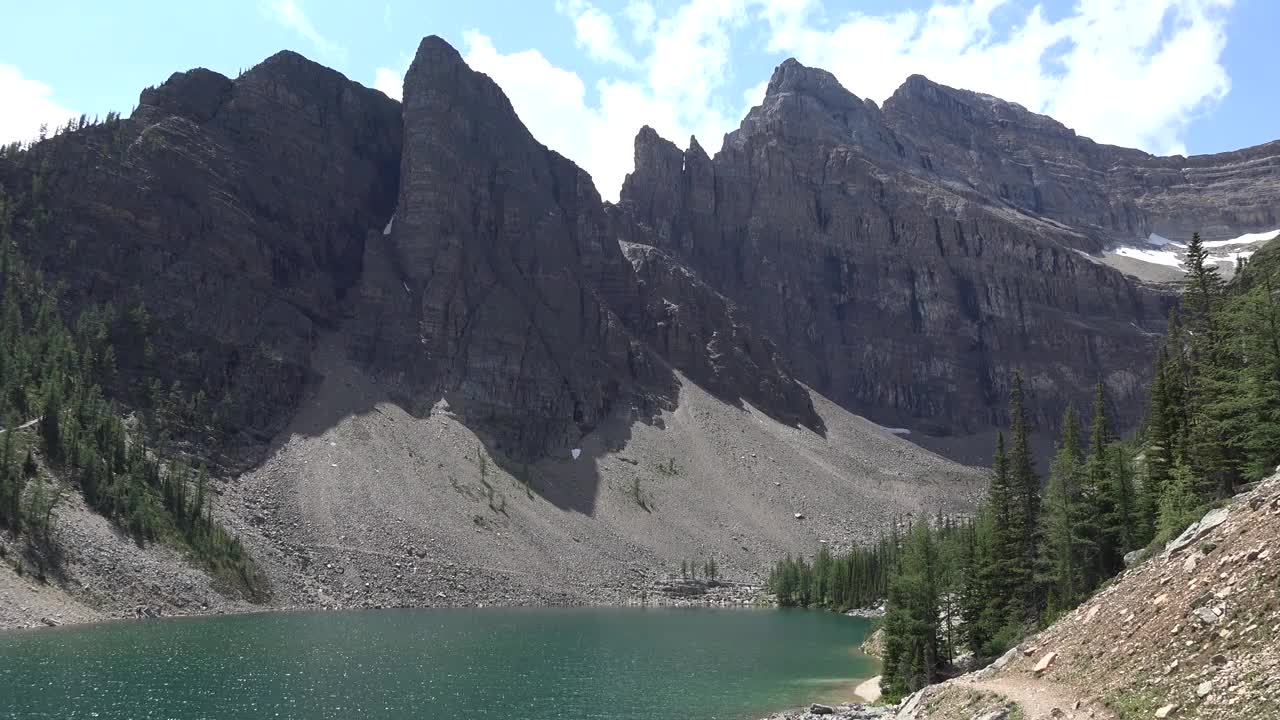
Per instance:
x=431, y=372
x=430, y=366
x=908, y=258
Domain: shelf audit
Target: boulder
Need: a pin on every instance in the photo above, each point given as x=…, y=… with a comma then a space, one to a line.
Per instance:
x=1045, y=662
x=1166, y=711
x=1197, y=530
x=1205, y=615
x=818, y=709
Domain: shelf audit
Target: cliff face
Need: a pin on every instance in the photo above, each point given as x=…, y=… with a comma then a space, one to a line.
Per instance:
x=1037, y=165
x=907, y=259
x=233, y=212
x=900, y=260
x=515, y=300
x=456, y=256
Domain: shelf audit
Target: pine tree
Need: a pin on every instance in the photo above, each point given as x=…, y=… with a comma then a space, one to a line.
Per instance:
x=1026, y=486
x=1160, y=453
x=11, y=487
x=1099, y=495
x=1122, y=523
x=1178, y=502
x=51, y=421
x=1070, y=530
x=911, y=649
x=980, y=620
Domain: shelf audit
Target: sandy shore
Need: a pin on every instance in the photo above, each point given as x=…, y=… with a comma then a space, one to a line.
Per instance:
x=869, y=690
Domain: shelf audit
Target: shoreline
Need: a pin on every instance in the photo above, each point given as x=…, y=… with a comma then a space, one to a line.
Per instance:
x=63, y=608
x=868, y=690
x=246, y=609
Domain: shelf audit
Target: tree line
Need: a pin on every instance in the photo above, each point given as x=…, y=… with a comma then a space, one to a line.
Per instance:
x=1034, y=550
x=54, y=375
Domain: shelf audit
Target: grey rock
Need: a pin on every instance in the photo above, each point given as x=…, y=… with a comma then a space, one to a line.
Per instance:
x=1197, y=530
x=1205, y=615
x=890, y=236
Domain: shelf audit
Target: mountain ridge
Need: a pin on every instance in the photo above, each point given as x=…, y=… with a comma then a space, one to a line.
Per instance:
x=425, y=284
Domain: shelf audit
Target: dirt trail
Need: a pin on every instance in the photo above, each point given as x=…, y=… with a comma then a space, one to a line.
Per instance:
x=23, y=426
x=1039, y=698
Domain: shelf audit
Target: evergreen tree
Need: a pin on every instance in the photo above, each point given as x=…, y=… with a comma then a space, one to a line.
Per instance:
x=1178, y=502
x=1070, y=530
x=980, y=618
x=1122, y=522
x=1026, y=486
x=1106, y=544
x=911, y=648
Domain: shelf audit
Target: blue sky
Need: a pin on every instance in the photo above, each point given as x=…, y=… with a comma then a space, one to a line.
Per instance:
x=1169, y=76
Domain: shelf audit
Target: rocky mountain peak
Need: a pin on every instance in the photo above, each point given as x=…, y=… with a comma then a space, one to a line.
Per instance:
x=926, y=102
x=195, y=94
x=793, y=78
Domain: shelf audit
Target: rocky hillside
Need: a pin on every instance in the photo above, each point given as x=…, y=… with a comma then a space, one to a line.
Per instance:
x=481, y=397
x=431, y=366
x=1193, y=632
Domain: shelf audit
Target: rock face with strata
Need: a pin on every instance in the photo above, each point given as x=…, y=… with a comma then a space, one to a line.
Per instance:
x=906, y=259
x=900, y=260
x=233, y=211
x=507, y=295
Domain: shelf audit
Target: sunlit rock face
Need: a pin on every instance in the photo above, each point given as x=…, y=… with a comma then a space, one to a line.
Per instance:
x=906, y=259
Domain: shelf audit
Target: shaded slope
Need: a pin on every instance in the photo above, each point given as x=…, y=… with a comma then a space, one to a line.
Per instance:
x=408, y=505
x=500, y=287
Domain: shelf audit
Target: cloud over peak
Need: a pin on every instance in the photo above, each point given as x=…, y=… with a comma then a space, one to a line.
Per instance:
x=1131, y=73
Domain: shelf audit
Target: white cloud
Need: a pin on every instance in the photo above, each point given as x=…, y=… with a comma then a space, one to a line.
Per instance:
x=595, y=33
x=675, y=90
x=1132, y=73
x=642, y=17
x=28, y=104
x=390, y=82
x=290, y=14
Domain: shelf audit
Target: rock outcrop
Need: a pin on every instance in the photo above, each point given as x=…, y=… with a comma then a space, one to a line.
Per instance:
x=506, y=293
x=899, y=260
x=233, y=211
x=463, y=259
x=907, y=259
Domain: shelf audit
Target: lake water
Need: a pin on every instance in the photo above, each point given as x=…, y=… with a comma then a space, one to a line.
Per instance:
x=530, y=664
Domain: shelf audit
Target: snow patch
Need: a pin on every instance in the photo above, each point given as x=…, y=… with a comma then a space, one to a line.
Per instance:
x=387, y=230
x=1158, y=240
x=1157, y=257
x=1245, y=239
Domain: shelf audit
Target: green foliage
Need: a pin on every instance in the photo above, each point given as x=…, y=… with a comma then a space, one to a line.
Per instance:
x=857, y=579
x=52, y=375
x=1070, y=528
x=1022, y=562
x=912, y=646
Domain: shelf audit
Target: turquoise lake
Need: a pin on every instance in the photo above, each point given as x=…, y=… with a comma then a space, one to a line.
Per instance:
x=534, y=664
